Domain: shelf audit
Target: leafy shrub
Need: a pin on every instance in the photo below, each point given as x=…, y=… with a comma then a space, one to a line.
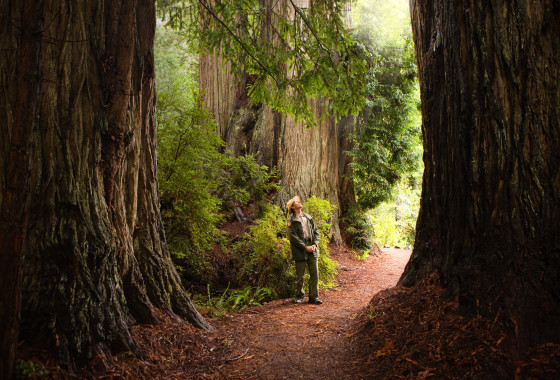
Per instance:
x=264, y=254
x=322, y=212
x=188, y=158
x=242, y=179
x=187, y=161
x=359, y=227
x=192, y=265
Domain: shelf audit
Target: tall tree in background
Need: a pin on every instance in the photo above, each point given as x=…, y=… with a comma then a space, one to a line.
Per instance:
x=272, y=68
x=387, y=134
x=80, y=89
x=490, y=208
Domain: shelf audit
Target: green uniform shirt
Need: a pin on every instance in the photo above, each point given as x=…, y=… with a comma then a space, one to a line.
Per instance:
x=297, y=242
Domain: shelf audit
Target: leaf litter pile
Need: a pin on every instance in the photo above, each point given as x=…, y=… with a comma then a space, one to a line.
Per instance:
x=400, y=333
x=416, y=333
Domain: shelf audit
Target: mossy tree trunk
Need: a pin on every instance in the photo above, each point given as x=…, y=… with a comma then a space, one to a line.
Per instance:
x=96, y=257
x=490, y=207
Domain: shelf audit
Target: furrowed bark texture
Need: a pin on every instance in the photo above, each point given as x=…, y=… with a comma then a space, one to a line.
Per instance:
x=15, y=161
x=490, y=207
x=310, y=162
x=96, y=252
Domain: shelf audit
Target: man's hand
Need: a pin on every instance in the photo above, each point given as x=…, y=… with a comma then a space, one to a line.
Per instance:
x=311, y=248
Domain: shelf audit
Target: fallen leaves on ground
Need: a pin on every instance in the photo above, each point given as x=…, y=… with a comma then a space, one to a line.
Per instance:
x=416, y=333
x=400, y=333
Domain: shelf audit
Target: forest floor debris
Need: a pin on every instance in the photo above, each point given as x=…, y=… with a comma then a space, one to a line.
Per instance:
x=400, y=333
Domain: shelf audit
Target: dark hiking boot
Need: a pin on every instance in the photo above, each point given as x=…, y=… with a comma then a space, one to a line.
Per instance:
x=316, y=301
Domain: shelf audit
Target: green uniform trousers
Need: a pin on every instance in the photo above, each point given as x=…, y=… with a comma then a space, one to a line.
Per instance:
x=312, y=264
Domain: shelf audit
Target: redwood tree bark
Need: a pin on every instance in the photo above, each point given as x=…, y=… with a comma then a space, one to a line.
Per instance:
x=15, y=163
x=96, y=257
x=310, y=161
x=490, y=207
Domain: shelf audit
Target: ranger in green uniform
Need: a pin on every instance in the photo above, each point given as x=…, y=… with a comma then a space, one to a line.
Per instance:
x=304, y=241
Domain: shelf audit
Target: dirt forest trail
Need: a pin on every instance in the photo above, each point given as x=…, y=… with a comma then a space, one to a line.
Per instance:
x=286, y=341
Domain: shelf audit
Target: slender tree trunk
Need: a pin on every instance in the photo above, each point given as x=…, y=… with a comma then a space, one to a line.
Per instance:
x=96, y=257
x=15, y=160
x=490, y=208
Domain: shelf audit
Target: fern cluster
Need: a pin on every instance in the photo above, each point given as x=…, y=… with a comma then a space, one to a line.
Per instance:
x=264, y=254
x=228, y=301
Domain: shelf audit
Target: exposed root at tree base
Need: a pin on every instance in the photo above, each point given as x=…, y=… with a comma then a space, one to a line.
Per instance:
x=173, y=349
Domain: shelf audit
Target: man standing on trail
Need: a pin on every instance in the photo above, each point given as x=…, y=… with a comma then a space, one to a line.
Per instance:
x=304, y=241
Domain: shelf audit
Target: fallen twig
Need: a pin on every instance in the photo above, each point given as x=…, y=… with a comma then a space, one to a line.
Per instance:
x=237, y=357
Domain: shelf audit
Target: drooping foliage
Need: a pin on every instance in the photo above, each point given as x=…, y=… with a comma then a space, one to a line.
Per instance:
x=292, y=49
x=196, y=181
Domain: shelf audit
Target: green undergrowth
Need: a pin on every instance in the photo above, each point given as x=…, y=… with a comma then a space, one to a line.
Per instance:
x=262, y=260
x=392, y=222
x=28, y=369
x=322, y=213
x=263, y=255
x=228, y=301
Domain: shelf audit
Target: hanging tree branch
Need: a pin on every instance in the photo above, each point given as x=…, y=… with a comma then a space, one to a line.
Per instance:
x=302, y=15
x=237, y=39
x=306, y=55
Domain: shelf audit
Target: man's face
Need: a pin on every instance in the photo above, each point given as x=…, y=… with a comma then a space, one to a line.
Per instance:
x=296, y=205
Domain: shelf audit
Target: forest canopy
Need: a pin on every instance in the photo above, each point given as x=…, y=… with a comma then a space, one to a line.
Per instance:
x=291, y=52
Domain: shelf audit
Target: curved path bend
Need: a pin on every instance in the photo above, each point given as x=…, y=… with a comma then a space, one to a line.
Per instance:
x=286, y=341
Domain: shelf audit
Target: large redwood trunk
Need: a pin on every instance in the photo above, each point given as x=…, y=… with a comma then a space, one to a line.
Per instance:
x=96, y=257
x=310, y=162
x=490, y=208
